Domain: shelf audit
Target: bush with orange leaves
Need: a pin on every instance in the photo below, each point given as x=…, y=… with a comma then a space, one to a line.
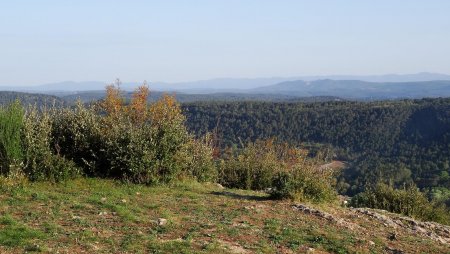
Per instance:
x=135, y=141
x=149, y=143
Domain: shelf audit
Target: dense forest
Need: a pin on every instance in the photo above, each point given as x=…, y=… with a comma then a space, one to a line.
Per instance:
x=399, y=141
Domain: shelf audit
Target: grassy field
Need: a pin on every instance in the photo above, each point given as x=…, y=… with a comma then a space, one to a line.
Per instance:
x=106, y=216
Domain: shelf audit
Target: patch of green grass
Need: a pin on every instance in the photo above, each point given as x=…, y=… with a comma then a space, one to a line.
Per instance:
x=328, y=243
x=132, y=243
x=233, y=232
x=174, y=246
x=127, y=214
x=212, y=247
x=51, y=228
x=7, y=220
x=12, y=234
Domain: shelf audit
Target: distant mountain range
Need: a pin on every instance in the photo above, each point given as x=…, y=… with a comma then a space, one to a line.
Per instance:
x=351, y=87
x=356, y=89
x=223, y=84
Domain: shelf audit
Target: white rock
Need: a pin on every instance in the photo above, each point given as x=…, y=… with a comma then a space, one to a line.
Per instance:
x=162, y=222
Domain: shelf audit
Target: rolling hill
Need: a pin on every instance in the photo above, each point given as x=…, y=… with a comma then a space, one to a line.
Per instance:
x=357, y=89
x=7, y=97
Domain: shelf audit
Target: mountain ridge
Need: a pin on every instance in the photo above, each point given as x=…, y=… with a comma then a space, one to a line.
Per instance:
x=357, y=89
x=224, y=84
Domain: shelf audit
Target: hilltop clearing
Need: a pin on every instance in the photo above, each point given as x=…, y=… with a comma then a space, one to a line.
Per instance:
x=106, y=216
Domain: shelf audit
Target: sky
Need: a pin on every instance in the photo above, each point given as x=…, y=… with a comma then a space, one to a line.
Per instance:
x=177, y=40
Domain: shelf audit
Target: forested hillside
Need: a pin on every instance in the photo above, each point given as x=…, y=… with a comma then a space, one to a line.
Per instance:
x=401, y=141
x=7, y=97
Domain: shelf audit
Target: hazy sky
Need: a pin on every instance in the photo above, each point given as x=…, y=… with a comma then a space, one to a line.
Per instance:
x=168, y=40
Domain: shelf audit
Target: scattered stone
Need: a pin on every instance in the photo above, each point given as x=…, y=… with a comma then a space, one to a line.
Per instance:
x=432, y=230
x=257, y=208
x=171, y=240
x=393, y=251
x=220, y=186
x=76, y=217
x=241, y=224
x=388, y=222
x=162, y=222
x=33, y=248
x=102, y=213
x=103, y=199
x=392, y=236
x=371, y=243
x=123, y=200
x=310, y=250
x=327, y=216
x=233, y=247
x=94, y=247
x=138, y=193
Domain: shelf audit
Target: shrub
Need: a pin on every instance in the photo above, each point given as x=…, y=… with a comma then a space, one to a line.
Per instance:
x=168, y=136
x=196, y=159
x=137, y=142
x=77, y=134
x=251, y=168
x=285, y=171
x=129, y=153
x=41, y=161
x=408, y=201
x=305, y=182
x=11, y=124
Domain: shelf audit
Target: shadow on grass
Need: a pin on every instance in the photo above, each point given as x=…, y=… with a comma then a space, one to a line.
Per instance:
x=241, y=196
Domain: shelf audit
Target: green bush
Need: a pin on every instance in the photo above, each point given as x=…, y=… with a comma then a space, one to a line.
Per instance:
x=408, y=201
x=168, y=136
x=285, y=172
x=42, y=161
x=251, y=168
x=196, y=159
x=76, y=133
x=137, y=142
x=11, y=124
x=305, y=183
